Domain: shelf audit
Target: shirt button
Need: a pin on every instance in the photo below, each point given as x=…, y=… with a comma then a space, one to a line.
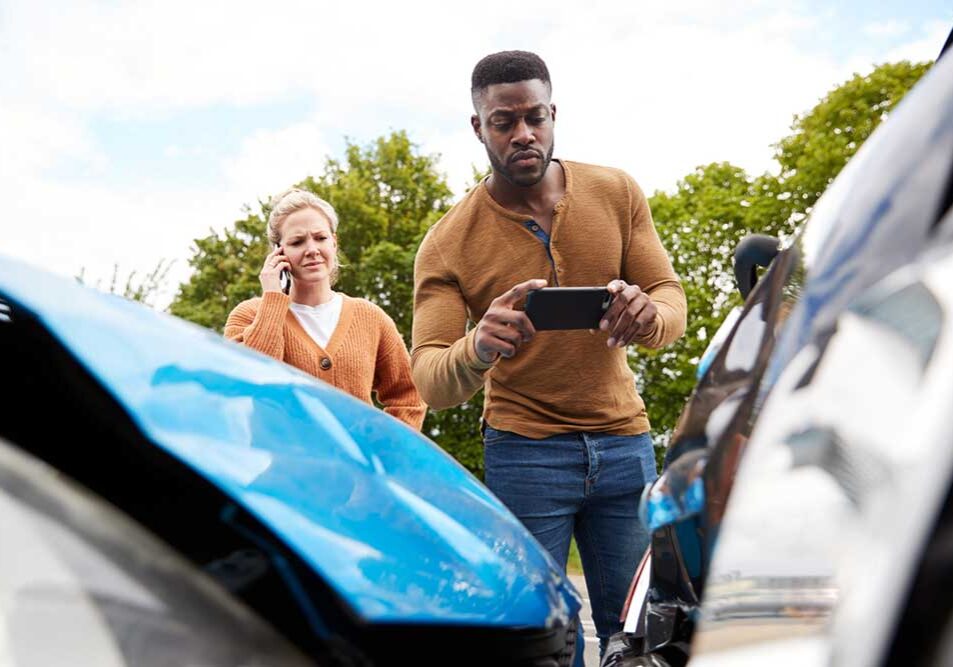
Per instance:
x=325, y=363
x=535, y=228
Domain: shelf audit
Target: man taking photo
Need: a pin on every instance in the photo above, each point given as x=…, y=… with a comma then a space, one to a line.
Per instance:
x=566, y=435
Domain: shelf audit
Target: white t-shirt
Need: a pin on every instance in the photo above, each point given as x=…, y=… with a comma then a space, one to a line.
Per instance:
x=321, y=320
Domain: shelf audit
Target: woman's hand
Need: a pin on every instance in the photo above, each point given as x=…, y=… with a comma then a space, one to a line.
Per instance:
x=270, y=275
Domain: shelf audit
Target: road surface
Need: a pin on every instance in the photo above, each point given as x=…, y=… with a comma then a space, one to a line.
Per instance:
x=592, y=641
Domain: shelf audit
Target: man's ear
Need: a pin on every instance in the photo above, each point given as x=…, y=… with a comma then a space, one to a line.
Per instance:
x=475, y=124
x=552, y=110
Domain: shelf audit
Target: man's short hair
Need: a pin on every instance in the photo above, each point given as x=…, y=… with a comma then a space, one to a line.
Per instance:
x=507, y=67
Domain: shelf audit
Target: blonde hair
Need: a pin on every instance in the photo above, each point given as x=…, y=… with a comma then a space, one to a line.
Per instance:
x=292, y=200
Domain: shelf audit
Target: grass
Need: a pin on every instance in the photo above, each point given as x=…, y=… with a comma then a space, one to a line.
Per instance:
x=574, y=564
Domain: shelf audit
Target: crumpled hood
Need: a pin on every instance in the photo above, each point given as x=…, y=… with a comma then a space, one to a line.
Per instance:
x=398, y=528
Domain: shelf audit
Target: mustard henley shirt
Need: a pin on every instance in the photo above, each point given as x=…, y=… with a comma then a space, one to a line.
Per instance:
x=561, y=381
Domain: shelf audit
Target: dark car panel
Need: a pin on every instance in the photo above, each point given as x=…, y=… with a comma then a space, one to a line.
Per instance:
x=768, y=554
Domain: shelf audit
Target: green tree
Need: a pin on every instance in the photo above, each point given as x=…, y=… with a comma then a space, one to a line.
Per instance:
x=387, y=195
x=825, y=138
x=142, y=289
x=700, y=223
x=224, y=271
x=711, y=209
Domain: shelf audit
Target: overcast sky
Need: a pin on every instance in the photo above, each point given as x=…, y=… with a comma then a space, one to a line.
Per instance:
x=127, y=129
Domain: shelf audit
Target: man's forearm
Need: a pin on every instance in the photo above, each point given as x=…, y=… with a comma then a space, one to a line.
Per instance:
x=448, y=376
x=670, y=320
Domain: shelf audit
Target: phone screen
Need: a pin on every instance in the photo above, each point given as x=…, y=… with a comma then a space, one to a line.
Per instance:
x=567, y=307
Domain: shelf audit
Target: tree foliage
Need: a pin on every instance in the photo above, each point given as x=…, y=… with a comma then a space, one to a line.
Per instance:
x=825, y=138
x=388, y=195
x=700, y=223
x=224, y=272
x=143, y=289
x=715, y=206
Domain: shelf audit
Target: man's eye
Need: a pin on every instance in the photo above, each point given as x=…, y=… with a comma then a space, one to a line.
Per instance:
x=536, y=120
x=502, y=124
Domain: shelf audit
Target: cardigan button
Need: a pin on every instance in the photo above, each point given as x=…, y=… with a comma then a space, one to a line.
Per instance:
x=325, y=363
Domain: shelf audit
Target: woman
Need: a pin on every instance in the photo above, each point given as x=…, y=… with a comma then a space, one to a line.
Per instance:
x=347, y=342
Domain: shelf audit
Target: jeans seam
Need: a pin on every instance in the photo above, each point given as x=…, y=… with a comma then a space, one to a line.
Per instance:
x=603, y=594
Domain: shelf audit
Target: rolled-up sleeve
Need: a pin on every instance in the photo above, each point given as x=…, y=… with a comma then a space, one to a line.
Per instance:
x=647, y=265
x=445, y=367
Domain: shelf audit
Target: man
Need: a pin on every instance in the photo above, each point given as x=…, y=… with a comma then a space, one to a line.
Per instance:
x=566, y=442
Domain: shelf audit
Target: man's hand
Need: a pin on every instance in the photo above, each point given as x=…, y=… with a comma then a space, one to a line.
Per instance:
x=504, y=329
x=630, y=313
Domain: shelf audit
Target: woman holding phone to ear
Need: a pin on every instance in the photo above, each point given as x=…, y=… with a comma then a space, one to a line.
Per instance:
x=345, y=341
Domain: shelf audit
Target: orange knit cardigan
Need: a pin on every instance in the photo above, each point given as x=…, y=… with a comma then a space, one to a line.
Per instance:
x=365, y=353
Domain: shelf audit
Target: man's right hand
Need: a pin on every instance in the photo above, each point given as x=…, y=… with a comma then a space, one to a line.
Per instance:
x=504, y=329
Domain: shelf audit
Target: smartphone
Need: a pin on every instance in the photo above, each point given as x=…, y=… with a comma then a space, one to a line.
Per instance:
x=552, y=308
x=285, y=277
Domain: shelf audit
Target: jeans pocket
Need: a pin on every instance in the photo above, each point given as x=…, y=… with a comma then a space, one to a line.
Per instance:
x=647, y=457
x=492, y=437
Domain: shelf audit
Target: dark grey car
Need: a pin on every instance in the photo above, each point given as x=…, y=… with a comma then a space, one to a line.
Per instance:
x=804, y=515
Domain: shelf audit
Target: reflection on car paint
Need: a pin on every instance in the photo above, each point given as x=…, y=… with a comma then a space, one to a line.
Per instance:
x=351, y=490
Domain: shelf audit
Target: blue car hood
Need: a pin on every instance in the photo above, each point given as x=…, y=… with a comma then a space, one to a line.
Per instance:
x=399, y=529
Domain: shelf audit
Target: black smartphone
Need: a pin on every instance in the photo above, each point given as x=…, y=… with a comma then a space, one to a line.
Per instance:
x=553, y=308
x=284, y=277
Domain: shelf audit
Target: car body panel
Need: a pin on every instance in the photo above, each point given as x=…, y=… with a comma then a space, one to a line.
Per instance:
x=773, y=538
x=395, y=526
x=108, y=591
x=847, y=411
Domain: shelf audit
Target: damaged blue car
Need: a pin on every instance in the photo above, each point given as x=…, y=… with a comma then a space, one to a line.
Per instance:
x=167, y=497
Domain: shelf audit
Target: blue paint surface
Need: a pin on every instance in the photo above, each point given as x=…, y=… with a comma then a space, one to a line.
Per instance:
x=397, y=527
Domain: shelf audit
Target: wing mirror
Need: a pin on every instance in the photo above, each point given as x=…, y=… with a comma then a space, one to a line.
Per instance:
x=753, y=251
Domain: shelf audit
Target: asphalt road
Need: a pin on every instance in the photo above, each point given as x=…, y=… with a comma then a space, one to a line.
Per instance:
x=592, y=641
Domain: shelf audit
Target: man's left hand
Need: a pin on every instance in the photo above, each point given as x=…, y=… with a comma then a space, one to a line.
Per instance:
x=630, y=313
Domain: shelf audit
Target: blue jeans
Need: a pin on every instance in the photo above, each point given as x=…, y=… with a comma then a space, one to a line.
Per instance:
x=582, y=484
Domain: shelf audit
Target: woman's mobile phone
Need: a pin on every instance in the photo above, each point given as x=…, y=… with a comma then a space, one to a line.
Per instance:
x=284, y=277
x=552, y=308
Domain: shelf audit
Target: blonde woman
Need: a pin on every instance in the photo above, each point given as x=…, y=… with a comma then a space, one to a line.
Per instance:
x=345, y=341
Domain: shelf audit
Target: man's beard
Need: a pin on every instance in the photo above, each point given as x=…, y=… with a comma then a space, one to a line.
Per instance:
x=523, y=181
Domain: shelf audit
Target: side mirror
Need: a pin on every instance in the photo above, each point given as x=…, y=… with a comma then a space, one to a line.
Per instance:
x=753, y=251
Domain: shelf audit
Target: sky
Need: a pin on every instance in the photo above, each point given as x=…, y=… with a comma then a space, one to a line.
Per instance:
x=128, y=129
